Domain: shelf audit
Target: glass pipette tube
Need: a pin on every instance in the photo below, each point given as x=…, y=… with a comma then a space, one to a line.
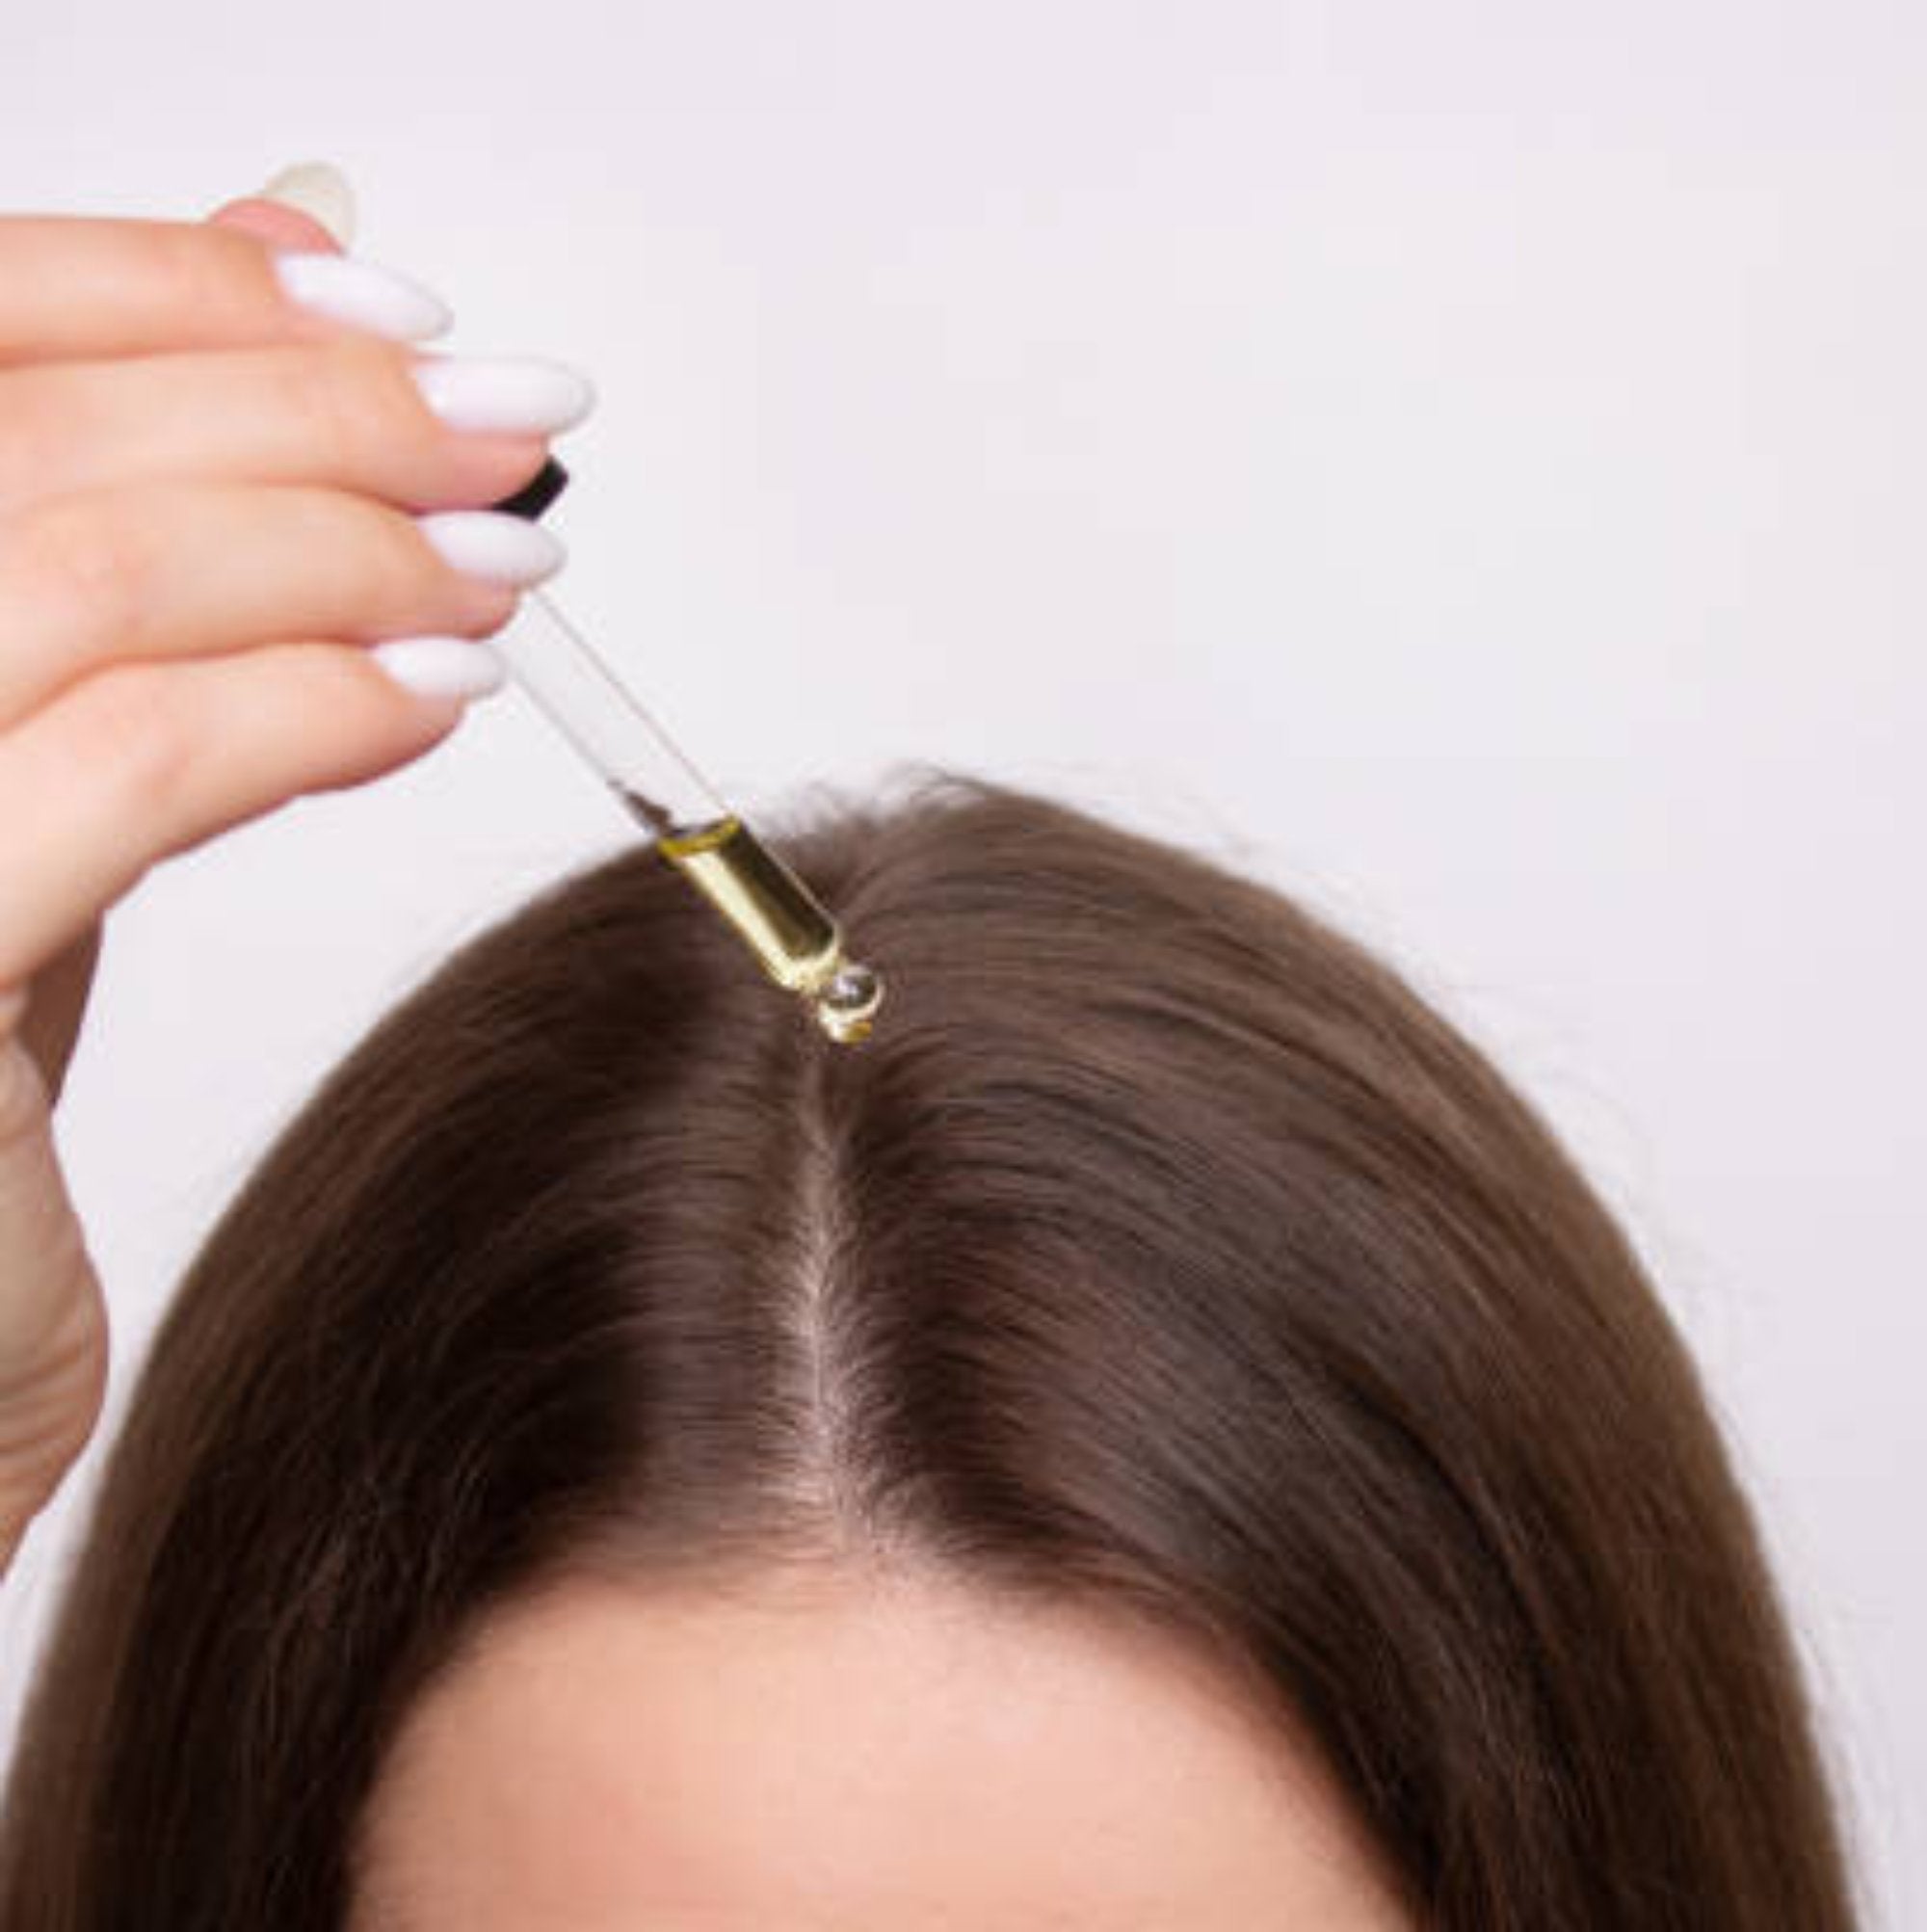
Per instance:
x=791, y=935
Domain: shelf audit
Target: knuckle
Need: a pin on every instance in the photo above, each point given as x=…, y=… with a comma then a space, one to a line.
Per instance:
x=130, y=734
x=39, y=425
x=346, y=399
x=84, y=558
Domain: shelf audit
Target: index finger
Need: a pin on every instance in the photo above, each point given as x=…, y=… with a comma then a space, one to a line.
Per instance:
x=102, y=285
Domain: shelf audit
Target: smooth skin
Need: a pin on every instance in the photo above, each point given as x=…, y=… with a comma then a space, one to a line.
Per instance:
x=207, y=502
x=849, y=1750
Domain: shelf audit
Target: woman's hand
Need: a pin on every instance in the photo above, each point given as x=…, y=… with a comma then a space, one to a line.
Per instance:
x=208, y=498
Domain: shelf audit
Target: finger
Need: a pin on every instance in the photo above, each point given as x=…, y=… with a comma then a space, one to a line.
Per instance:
x=317, y=189
x=143, y=760
x=78, y=286
x=57, y=1002
x=180, y=569
x=276, y=223
x=347, y=413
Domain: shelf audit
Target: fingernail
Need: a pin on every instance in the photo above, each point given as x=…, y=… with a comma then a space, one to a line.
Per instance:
x=521, y=395
x=441, y=667
x=489, y=544
x=318, y=189
x=345, y=288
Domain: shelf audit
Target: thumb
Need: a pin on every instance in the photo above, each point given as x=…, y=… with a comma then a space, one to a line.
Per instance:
x=53, y=1313
x=309, y=205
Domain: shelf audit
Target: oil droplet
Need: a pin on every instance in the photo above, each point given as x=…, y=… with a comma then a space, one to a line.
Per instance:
x=848, y=1002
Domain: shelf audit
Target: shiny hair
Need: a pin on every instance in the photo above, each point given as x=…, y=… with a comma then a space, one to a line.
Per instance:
x=1163, y=1248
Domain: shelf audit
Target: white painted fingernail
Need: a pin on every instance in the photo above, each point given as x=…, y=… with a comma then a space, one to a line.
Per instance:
x=441, y=667
x=494, y=545
x=318, y=189
x=345, y=288
x=522, y=395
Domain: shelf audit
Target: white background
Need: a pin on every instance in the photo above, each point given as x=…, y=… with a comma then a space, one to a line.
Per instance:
x=1464, y=463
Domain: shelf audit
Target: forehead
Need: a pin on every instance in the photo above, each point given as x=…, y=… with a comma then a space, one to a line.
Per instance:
x=851, y=1754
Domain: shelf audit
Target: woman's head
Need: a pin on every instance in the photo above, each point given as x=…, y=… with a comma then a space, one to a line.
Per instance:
x=1165, y=1355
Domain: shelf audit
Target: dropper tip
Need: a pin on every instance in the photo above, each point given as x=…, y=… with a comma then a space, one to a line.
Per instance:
x=846, y=1006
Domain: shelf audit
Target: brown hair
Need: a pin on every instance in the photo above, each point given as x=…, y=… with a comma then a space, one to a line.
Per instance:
x=1163, y=1246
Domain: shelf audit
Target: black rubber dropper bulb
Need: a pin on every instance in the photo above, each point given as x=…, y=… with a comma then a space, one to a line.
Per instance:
x=537, y=493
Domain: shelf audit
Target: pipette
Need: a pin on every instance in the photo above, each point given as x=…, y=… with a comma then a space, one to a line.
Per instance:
x=788, y=930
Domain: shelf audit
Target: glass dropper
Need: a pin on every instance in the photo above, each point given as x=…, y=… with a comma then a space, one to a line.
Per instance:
x=788, y=930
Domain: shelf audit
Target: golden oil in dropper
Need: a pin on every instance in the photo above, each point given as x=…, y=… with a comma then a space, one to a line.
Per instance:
x=794, y=940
